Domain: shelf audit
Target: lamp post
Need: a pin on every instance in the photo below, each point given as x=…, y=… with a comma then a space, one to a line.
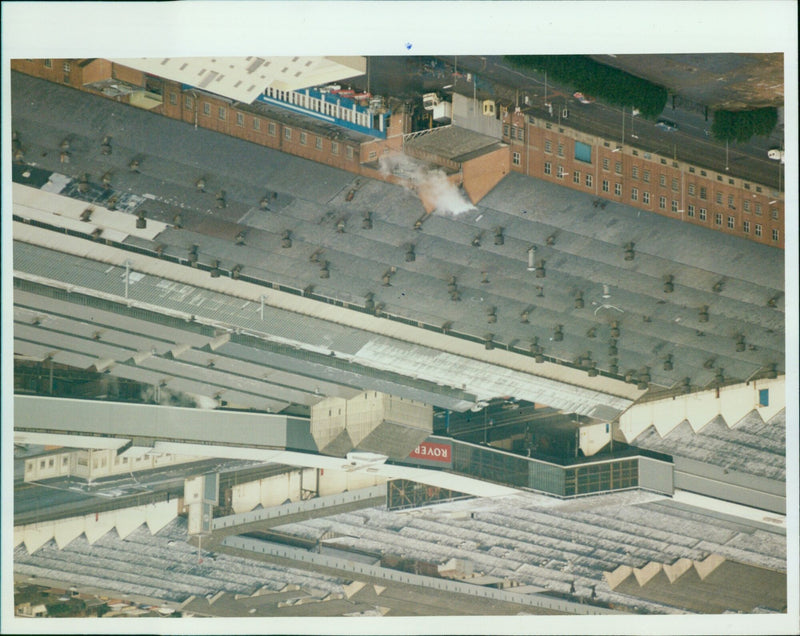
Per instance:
x=726, y=156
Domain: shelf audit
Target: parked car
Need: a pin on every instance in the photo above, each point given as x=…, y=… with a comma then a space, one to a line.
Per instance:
x=582, y=98
x=776, y=154
x=667, y=125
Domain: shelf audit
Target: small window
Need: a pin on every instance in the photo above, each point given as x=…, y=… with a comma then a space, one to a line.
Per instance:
x=67, y=67
x=206, y=108
x=718, y=219
x=618, y=189
x=303, y=138
x=775, y=235
x=287, y=134
x=731, y=223
x=703, y=214
x=746, y=205
x=730, y=202
x=618, y=167
x=758, y=188
x=373, y=154
x=646, y=198
x=51, y=463
x=674, y=205
x=662, y=180
x=589, y=181
x=272, y=128
x=515, y=158
x=758, y=209
x=576, y=176
x=560, y=173
x=256, y=123
x=746, y=186
x=691, y=169
x=605, y=185
x=719, y=198
x=188, y=102
x=635, y=172
x=506, y=130
x=634, y=194
x=774, y=213
x=662, y=203
x=521, y=134
x=48, y=63
x=349, y=152
x=548, y=146
x=746, y=227
x=318, y=143
x=223, y=113
x=690, y=210
x=703, y=173
x=560, y=150
x=65, y=460
x=41, y=463
x=173, y=99
x=29, y=466
x=605, y=164
x=674, y=185
x=703, y=193
x=334, y=148
x=239, y=119
x=758, y=229
x=548, y=168
x=691, y=190
x=646, y=176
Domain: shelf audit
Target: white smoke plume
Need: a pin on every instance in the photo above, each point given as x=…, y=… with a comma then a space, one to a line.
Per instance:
x=431, y=185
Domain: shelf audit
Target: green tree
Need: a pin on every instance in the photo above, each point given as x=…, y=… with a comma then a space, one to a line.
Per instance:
x=741, y=125
x=603, y=82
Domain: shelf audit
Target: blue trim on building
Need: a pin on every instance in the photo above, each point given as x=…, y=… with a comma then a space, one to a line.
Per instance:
x=372, y=132
x=327, y=97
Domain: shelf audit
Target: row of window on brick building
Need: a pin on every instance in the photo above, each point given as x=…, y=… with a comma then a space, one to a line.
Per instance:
x=691, y=211
x=272, y=127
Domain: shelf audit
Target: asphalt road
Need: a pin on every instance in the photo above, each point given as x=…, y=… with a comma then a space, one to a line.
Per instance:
x=71, y=496
x=690, y=143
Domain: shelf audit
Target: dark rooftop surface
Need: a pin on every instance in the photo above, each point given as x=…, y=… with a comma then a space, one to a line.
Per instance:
x=585, y=257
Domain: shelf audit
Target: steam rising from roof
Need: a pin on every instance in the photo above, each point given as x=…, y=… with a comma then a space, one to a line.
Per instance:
x=437, y=193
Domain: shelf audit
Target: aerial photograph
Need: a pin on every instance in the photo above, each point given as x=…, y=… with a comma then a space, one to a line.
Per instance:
x=439, y=340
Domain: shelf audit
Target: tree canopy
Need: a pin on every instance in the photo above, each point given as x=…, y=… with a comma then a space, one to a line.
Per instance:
x=741, y=125
x=606, y=83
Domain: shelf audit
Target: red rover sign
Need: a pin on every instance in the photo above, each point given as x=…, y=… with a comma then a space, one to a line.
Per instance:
x=432, y=452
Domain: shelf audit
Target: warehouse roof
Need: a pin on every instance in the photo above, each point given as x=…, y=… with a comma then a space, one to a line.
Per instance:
x=244, y=78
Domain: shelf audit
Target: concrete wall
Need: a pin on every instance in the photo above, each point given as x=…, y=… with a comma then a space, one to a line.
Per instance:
x=93, y=464
x=592, y=438
x=95, y=525
x=49, y=466
x=297, y=485
x=732, y=402
x=468, y=113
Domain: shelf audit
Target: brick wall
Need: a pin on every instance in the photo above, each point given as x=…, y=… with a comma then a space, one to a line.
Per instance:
x=483, y=173
x=547, y=150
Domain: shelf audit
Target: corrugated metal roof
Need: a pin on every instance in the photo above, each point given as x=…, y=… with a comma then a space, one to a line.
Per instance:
x=244, y=78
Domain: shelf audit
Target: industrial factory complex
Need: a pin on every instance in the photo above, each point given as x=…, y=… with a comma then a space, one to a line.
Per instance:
x=286, y=345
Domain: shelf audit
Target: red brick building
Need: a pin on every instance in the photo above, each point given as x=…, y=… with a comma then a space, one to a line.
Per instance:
x=554, y=152
x=535, y=147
